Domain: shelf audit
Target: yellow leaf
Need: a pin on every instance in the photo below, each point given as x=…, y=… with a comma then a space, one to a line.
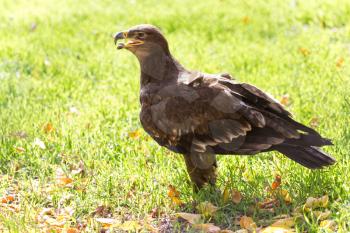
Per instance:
x=150, y=228
x=286, y=223
x=191, y=218
x=322, y=215
x=130, y=226
x=304, y=51
x=225, y=195
x=48, y=128
x=207, y=228
x=236, y=196
x=174, y=195
x=245, y=20
x=328, y=224
x=247, y=223
x=312, y=202
x=340, y=62
x=19, y=149
x=135, y=134
x=285, y=195
x=207, y=209
x=106, y=222
x=277, y=230
x=285, y=101
x=63, y=181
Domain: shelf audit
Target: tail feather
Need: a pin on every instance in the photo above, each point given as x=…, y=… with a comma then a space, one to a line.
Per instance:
x=308, y=156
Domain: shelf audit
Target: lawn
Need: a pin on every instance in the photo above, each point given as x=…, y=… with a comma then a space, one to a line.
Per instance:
x=73, y=155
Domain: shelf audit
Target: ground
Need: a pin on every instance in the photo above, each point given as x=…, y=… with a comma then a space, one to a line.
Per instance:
x=70, y=134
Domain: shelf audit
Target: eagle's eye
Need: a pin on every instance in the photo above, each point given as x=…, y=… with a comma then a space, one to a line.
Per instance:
x=141, y=35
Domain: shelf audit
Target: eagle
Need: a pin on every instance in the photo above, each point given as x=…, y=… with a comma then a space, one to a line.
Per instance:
x=202, y=115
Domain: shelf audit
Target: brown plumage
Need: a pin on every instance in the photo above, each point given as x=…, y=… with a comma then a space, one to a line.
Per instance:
x=200, y=115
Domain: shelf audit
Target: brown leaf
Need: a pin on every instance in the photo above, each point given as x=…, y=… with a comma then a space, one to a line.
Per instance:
x=276, y=183
x=247, y=223
x=236, y=197
x=8, y=199
x=72, y=230
x=191, y=218
x=174, y=195
x=48, y=128
x=207, y=209
x=268, y=203
x=207, y=228
x=63, y=181
x=102, y=211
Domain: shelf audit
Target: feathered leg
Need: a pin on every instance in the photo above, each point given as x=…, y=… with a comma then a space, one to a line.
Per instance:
x=201, y=171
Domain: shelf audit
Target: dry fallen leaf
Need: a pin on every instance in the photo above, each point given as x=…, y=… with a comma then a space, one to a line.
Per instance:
x=285, y=222
x=247, y=223
x=7, y=199
x=207, y=228
x=277, y=230
x=285, y=100
x=285, y=195
x=314, y=122
x=71, y=230
x=174, y=195
x=236, y=196
x=340, y=62
x=322, y=215
x=312, y=203
x=48, y=128
x=191, y=218
x=106, y=222
x=225, y=195
x=135, y=134
x=20, y=149
x=276, y=183
x=130, y=226
x=207, y=209
x=304, y=51
x=63, y=181
x=328, y=224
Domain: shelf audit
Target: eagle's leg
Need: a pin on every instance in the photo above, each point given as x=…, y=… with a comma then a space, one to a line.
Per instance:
x=201, y=169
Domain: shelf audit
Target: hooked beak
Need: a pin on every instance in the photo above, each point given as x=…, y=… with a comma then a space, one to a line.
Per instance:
x=119, y=36
x=128, y=43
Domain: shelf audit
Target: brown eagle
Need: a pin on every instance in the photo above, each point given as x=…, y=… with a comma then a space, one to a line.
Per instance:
x=200, y=115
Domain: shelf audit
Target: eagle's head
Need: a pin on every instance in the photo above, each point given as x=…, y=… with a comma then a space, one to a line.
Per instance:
x=142, y=40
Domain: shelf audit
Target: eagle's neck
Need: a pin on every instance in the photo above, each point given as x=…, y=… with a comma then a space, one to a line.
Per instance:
x=159, y=67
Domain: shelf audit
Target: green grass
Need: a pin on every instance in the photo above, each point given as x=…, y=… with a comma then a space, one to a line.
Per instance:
x=69, y=60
